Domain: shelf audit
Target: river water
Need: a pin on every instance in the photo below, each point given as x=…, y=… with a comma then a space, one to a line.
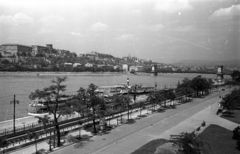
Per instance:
x=22, y=84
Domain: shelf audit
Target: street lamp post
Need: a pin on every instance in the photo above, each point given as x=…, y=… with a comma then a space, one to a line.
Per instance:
x=14, y=106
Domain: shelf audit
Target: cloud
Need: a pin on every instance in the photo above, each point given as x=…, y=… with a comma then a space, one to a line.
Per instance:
x=98, y=27
x=125, y=37
x=17, y=18
x=52, y=19
x=226, y=13
x=136, y=12
x=51, y=24
x=76, y=34
x=172, y=6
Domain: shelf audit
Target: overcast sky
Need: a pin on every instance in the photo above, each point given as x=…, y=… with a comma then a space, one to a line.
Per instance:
x=160, y=30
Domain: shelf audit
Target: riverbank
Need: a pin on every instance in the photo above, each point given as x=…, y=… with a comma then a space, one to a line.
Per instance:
x=22, y=84
x=95, y=73
x=128, y=137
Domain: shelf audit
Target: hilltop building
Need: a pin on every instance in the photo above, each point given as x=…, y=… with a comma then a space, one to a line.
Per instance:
x=8, y=50
x=136, y=68
x=125, y=68
x=36, y=49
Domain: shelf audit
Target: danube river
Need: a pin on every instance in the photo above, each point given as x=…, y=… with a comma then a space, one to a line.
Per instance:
x=22, y=84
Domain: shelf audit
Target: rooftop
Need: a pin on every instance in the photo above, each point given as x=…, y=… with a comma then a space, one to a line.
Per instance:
x=14, y=44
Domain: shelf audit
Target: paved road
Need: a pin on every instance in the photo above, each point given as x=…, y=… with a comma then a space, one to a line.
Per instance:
x=127, y=138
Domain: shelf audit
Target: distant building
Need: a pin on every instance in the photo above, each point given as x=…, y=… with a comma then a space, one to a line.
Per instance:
x=95, y=55
x=77, y=64
x=8, y=50
x=50, y=47
x=136, y=68
x=89, y=65
x=36, y=49
x=125, y=67
x=68, y=67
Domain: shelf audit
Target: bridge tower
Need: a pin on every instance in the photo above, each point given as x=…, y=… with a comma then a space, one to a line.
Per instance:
x=220, y=74
x=154, y=70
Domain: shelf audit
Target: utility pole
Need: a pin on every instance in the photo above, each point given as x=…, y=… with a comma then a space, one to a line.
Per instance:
x=155, y=86
x=14, y=106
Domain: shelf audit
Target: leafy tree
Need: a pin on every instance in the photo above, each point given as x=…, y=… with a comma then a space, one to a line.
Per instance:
x=190, y=143
x=188, y=91
x=93, y=102
x=6, y=62
x=186, y=82
x=126, y=102
x=54, y=99
x=80, y=106
x=236, y=76
x=40, y=55
x=122, y=102
x=3, y=142
x=141, y=105
x=45, y=120
x=231, y=101
x=35, y=136
x=169, y=95
x=200, y=84
x=155, y=97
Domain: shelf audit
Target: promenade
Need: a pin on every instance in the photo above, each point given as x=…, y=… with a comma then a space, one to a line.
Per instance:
x=126, y=138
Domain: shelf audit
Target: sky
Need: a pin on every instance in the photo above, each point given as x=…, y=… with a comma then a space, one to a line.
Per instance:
x=165, y=31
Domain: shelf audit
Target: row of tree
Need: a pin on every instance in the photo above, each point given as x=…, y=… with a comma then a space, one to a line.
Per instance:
x=232, y=100
x=89, y=105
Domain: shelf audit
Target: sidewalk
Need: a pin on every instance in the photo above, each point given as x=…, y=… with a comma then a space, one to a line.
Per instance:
x=20, y=122
x=158, y=125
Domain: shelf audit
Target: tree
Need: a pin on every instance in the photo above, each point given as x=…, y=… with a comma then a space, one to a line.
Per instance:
x=80, y=106
x=236, y=76
x=121, y=102
x=45, y=120
x=55, y=100
x=231, y=101
x=169, y=95
x=3, y=143
x=126, y=102
x=93, y=102
x=189, y=143
x=39, y=54
x=155, y=97
x=35, y=136
x=200, y=84
x=6, y=62
x=141, y=105
x=1, y=55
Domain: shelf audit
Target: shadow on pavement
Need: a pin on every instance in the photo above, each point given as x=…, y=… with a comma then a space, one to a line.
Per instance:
x=131, y=121
x=161, y=110
x=85, y=139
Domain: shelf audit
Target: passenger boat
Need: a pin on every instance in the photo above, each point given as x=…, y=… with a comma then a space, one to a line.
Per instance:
x=113, y=90
x=139, y=89
x=39, y=107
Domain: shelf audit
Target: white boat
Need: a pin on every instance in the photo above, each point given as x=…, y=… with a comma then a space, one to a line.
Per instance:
x=39, y=107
